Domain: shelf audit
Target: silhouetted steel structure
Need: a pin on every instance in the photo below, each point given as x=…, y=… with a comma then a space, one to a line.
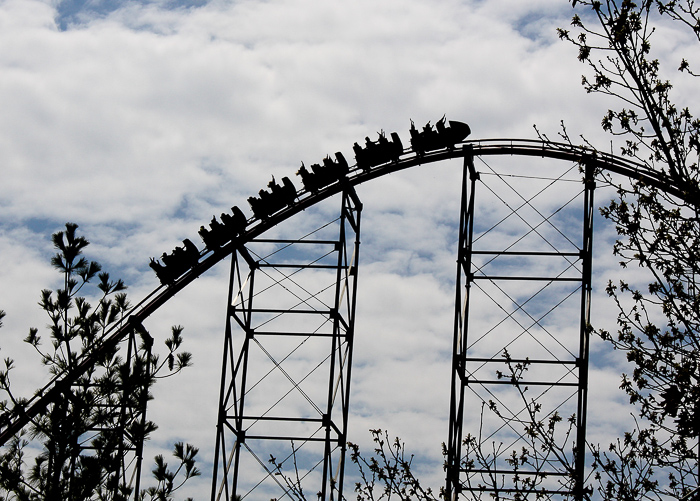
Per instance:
x=131, y=406
x=525, y=365
x=117, y=424
x=244, y=421
x=287, y=360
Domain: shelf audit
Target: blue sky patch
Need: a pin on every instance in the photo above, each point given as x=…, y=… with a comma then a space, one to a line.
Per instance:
x=77, y=12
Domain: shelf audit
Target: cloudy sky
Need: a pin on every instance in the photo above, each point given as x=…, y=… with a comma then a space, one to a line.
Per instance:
x=139, y=120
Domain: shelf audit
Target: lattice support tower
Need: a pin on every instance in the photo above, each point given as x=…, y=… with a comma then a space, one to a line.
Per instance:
x=120, y=422
x=521, y=334
x=132, y=418
x=287, y=363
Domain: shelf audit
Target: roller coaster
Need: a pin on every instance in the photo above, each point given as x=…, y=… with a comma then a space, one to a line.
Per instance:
x=332, y=176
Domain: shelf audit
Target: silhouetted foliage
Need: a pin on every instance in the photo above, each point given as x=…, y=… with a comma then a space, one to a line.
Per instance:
x=388, y=473
x=383, y=476
x=167, y=478
x=76, y=449
x=658, y=328
x=543, y=448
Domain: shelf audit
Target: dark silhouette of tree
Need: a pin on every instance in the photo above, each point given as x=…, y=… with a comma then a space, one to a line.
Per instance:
x=84, y=437
x=658, y=328
x=385, y=475
x=543, y=444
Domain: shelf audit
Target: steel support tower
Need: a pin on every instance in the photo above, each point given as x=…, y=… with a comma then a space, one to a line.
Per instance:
x=131, y=424
x=521, y=334
x=114, y=433
x=287, y=360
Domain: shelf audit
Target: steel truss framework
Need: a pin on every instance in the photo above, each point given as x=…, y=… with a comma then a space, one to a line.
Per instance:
x=520, y=371
x=287, y=359
x=262, y=431
x=242, y=422
x=119, y=423
x=132, y=406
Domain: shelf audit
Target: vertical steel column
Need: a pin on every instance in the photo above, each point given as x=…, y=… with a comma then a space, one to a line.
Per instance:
x=464, y=276
x=135, y=392
x=233, y=373
x=288, y=380
x=585, y=327
x=343, y=333
x=142, y=400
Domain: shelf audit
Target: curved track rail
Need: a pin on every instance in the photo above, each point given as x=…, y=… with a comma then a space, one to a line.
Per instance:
x=12, y=424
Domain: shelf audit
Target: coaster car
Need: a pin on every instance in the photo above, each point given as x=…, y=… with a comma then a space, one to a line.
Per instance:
x=274, y=200
x=440, y=137
x=220, y=233
x=378, y=152
x=321, y=176
x=175, y=263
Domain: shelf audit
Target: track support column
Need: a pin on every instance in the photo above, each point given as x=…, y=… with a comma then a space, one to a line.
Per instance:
x=521, y=336
x=463, y=280
x=286, y=368
x=585, y=325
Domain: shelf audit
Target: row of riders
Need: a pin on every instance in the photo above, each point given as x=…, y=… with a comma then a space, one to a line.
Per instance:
x=317, y=177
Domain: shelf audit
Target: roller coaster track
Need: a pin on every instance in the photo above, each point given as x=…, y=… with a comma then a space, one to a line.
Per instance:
x=12, y=424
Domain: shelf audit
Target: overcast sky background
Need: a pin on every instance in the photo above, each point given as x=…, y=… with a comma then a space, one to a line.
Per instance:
x=139, y=120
